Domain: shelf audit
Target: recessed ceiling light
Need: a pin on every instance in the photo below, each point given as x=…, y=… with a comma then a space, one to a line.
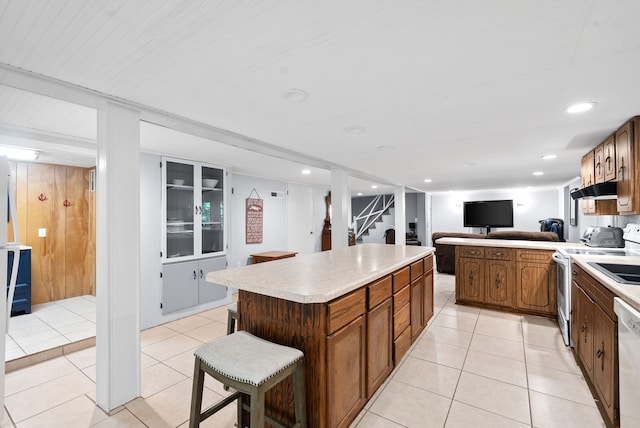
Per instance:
x=373, y=186
x=355, y=129
x=538, y=173
x=581, y=107
x=547, y=157
x=295, y=95
x=468, y=164
x=306, y=171
x=427, y=180
x=359, y=193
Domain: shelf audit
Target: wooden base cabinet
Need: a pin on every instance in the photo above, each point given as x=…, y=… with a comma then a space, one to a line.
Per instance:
x=595, y=341
x=536, y=282
x=346, y=363
x=506, y=278
x=470, y=274
x=379, y=333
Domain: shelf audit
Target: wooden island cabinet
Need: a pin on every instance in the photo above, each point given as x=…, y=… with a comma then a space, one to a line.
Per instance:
x=354, y=312
x=520, y=280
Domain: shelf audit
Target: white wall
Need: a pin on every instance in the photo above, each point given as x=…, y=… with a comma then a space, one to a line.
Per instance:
x=529, y=207
x=274, y=221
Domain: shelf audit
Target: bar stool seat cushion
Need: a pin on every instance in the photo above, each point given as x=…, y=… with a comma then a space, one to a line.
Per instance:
x=246, y=358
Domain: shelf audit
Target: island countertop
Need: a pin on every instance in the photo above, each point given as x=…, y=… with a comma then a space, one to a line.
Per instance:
x=320, y=277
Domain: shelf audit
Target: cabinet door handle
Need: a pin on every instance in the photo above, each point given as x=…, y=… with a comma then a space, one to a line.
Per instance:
x=195, y=275
x=201, y=274
x=497, y=280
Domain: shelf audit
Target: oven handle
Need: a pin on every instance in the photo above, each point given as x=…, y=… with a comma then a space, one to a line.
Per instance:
x=560, y=259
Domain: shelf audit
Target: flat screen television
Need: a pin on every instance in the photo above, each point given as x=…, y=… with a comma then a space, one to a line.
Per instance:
x=488, y=213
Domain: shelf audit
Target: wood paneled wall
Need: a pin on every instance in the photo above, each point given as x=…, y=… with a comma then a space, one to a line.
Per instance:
x=57, y=198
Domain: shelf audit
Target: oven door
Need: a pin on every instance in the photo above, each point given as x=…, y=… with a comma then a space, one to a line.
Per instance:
x=564, y=296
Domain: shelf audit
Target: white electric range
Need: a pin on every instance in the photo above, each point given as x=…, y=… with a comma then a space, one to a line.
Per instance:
x=631, y=247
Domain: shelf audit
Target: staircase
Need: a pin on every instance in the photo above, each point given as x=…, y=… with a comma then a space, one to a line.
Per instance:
x=374, y=219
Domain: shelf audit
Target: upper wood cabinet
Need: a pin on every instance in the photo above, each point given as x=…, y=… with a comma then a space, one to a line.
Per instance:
x=626, y=152
x=598, y=166
x=609, y=158
x=587, y=169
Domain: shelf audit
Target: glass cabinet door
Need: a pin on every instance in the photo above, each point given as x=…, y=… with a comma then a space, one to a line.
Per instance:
x=180, y=212
x=212, y=210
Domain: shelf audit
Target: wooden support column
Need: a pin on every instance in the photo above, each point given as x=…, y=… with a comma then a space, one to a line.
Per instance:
x=117, y=256
x=340, y=204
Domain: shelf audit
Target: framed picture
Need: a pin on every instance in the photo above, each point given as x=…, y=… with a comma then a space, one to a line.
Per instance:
x=573, y=211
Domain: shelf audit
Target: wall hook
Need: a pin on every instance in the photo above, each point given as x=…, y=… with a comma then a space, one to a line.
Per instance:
x=42, y=197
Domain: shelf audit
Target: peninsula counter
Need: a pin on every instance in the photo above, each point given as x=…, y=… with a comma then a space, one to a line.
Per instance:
x=354, y=312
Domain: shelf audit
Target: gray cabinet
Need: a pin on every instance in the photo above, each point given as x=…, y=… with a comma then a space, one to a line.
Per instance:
x=184, y=284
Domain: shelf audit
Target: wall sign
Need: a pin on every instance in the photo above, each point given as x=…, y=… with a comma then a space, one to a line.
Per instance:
x=254, y=219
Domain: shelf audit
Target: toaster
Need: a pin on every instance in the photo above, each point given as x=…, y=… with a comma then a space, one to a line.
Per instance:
x=604, y=237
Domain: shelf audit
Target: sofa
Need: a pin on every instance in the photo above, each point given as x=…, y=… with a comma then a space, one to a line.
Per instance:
x=446, y=254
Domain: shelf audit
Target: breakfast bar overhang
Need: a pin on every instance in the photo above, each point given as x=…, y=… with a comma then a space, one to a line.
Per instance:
x=354, y=312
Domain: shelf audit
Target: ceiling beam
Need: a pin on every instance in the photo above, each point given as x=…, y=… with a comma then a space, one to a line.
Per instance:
x=43, y=85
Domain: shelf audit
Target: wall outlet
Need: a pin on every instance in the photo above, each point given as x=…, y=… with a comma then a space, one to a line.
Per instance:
x=42, y=232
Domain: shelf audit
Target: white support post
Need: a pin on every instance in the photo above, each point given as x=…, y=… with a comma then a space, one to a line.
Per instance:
x=400, y=212
x=340, y=209
x=117, y=256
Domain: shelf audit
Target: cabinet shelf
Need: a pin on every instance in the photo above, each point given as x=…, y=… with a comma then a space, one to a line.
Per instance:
x=179, y=187
x=194, y=222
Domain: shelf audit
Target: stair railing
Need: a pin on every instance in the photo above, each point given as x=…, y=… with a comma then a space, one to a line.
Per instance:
x=371, y=213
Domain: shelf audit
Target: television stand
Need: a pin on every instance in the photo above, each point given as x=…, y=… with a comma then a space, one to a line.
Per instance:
x=488, y=230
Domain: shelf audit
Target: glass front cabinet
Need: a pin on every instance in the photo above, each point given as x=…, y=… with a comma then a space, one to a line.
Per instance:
x=194, y=234
x=194, y=217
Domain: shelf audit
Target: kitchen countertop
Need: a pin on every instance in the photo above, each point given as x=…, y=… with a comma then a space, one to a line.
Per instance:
x=628, y=293
x=320, y=277
x=510, y=243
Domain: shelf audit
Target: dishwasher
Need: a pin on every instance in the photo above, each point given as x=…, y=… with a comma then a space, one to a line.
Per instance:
x=629, y=363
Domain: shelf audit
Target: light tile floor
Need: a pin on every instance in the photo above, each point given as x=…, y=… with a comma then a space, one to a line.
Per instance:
x=470, y=368
x=50, y=325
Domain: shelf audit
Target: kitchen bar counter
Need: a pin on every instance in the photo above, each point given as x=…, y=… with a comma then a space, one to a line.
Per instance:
x=320, y=277
x=354, y=312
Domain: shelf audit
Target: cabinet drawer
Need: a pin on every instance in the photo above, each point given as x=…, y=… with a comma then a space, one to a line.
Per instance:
x=400, y=279
x=379, y=291
x=534, y=256
x=345, y=309
x=498, y=253
x=401, y=298
x=417, y=268
x=596, y=291
x=401, y=345
x=401, y=320
x=428, y=263
x=472, y=252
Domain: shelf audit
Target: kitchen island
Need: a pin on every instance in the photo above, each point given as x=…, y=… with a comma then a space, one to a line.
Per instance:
x=354, y=312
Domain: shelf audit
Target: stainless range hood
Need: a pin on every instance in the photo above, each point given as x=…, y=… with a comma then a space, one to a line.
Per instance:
x=608, y=190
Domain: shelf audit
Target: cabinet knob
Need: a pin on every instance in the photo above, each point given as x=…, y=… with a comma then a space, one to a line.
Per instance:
x=66, y=203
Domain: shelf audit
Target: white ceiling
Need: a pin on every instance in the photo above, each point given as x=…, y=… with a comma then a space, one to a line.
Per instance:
x=436, y=84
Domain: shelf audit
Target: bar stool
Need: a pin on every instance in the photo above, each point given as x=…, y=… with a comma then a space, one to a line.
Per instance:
x=251, y=366
x=232, y=318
